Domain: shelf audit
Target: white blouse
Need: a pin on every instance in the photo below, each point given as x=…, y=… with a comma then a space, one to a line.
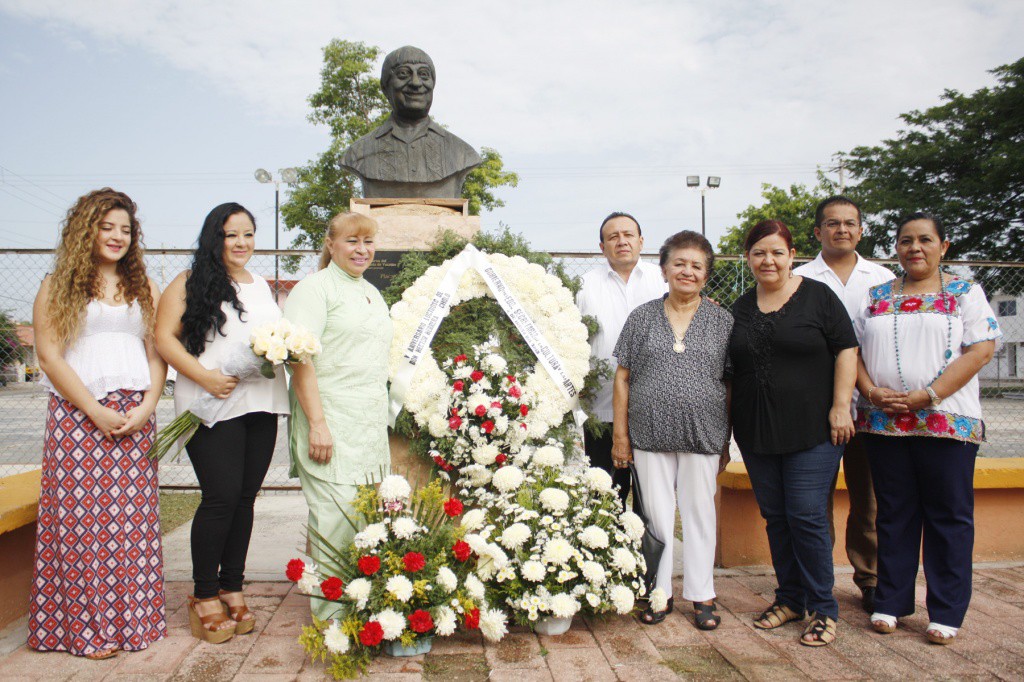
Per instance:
x=921, y=328
x=110, y=352
x=253, y=395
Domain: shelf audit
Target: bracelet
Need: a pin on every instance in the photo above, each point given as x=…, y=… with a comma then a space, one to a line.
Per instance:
x=870, y=391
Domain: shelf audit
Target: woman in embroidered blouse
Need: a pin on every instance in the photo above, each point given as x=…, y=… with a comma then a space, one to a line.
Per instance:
x=93, y=320
x=921, y=413
x=671, y=408
x=794, y=359
x=338, y=431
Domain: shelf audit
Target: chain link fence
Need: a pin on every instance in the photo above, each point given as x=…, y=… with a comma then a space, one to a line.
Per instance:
x=23, y=401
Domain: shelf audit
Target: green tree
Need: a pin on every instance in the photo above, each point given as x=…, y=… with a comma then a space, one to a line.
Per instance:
x=351, y=104
x=794, y=206
x=962, y=160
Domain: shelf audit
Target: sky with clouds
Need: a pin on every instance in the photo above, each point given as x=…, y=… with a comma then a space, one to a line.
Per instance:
x=599, y=106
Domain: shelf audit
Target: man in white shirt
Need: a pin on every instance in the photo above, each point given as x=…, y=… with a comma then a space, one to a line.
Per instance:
x=610, y=292
x=837, y=226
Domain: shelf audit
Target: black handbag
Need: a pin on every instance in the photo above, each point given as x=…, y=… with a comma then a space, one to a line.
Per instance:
x=650, y=545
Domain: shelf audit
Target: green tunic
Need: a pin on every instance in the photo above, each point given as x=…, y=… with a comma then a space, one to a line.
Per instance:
x=351, y=320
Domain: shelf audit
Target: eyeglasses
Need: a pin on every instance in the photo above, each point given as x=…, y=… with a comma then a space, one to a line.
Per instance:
x=834, y=224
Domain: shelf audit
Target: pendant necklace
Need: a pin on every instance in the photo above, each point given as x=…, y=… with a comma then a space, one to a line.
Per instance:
x=679, y=344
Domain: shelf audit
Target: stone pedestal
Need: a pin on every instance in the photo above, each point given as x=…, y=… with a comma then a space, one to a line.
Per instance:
x=414, y=224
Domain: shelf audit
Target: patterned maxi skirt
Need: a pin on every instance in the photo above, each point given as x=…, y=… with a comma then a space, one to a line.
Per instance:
x=98, y=575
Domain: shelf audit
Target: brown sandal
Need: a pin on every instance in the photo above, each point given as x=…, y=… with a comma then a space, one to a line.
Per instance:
x=243, y=625
x=777, y=615
x=103, y=654
x=207, y=628
x=822, y=628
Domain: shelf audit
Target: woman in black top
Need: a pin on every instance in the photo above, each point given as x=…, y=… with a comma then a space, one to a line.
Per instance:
x=794, y=359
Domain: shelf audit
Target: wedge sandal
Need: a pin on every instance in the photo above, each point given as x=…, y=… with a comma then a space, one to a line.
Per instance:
x=243, y=625
x=209, y=628
x=704, y=616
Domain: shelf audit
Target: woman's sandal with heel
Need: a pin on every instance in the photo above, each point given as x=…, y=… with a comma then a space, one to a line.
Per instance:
x=704, y=616
x=208, y=628
x=651, y=617
x=243, y=625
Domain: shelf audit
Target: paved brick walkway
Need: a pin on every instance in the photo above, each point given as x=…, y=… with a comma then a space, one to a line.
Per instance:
x=990, y=645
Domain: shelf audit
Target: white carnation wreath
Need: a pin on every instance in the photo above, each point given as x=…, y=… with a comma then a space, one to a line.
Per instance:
x=544, y=298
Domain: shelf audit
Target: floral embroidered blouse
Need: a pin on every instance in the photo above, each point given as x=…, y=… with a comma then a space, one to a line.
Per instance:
x=925, y=325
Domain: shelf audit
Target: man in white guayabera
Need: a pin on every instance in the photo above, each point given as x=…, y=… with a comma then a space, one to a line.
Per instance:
x=610, y=292
x=837, y=226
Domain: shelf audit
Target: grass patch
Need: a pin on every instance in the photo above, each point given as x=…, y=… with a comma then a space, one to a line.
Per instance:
x=456, y=668
x=699, y=663
x=176, y=509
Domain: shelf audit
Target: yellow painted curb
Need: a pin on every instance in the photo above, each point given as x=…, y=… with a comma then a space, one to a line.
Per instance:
x=989, y=473
x=19, y=500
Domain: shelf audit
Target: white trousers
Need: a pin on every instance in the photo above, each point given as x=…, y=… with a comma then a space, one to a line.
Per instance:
x=668, y=478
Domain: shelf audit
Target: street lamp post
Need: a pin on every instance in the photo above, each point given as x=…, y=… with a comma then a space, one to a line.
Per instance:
x=289, y=176
x=693, y=182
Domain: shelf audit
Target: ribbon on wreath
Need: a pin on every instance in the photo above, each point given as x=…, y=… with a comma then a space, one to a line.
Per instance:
x=440, y=306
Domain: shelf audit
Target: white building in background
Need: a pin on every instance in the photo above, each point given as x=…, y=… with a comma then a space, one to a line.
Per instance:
x=1008, y=362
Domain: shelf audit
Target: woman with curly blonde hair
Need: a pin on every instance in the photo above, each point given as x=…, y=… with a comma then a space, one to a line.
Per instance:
x=98, y=575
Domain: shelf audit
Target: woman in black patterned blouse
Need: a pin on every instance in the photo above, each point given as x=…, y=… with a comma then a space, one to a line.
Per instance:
x=670, y=403
x=794, y=358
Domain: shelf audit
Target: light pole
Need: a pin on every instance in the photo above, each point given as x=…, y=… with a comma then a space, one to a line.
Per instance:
x=289, y=176
x=693, y=182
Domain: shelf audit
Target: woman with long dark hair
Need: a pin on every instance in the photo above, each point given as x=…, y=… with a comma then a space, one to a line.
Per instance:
x=97, y=583
x=206, y=312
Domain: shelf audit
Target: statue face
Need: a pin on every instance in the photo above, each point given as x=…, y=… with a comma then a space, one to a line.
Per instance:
x=410, y=90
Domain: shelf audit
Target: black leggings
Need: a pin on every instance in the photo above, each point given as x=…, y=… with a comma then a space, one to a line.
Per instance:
x=230, y=459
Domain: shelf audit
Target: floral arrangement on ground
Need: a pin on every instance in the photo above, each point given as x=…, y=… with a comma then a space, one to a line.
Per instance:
x=408, y=576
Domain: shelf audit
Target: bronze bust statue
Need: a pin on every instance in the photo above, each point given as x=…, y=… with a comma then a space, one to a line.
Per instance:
x=410, y=155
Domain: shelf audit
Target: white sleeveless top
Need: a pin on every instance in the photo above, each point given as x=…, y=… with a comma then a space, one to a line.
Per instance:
x=109, y=353
x=253, y=395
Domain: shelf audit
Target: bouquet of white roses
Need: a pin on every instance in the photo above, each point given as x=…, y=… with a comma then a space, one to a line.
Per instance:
x=282, y=342
x=407, y=577
x=570, y=546
x=269, y=345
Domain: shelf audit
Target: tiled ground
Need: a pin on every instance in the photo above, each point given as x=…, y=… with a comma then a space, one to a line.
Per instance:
x=990, y=646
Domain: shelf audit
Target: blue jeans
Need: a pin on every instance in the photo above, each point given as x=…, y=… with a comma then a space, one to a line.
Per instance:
x=792, y=492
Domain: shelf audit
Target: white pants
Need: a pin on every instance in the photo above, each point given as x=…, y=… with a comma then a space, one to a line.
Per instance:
x=689, y=479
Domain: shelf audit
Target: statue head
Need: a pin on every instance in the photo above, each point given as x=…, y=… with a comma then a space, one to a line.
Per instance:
x=407, y=79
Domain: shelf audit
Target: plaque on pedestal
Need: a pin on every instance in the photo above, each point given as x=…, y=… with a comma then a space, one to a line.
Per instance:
x=383, y=269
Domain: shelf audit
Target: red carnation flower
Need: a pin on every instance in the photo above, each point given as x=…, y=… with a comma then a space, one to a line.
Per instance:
x=514, y=391
x=487, y=426
x=461, y=550
x=501, y=458
x=480, y=410
x=414, y=562
x=369, y=564
x=911, y=304
x=477, y=375
x=473, y=619
x=458, y=386
x=455, y=422
x=452, y=507
x=524, y=410
x=295, y=569
x=496, y=404
x=372, y=634
x=511, y=378
x=420, y=621
x=460, y=358
x=937, y=423
x=332, y=588
x=906, y=421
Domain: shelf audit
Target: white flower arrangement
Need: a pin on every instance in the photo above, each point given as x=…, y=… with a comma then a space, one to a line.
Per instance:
x=551, y=307
x=400, y=587
x=394, y=488
x=335, y=640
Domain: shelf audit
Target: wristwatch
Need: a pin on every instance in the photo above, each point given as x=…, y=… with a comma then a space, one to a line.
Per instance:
x=936, y=400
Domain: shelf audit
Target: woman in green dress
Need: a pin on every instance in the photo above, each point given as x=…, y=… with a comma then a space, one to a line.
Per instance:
x=338, y=427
